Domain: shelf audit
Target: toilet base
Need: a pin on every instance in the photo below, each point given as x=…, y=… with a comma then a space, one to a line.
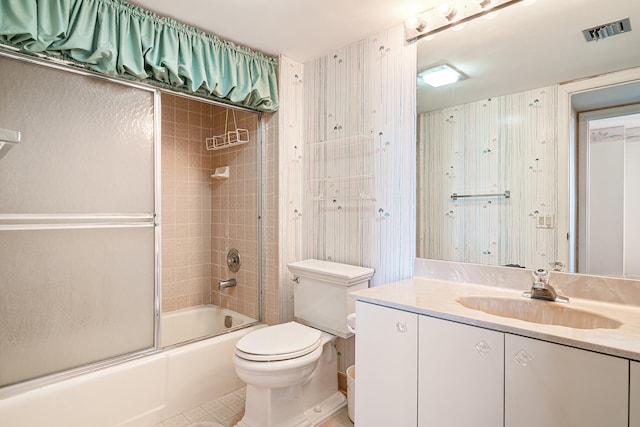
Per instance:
x=330, y=406
x=312, y=417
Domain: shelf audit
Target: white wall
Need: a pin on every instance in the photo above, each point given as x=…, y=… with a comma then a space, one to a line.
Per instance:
x=611, y=145
x=290, y=175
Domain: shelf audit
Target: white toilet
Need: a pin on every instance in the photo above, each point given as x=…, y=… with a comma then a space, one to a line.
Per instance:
x=291, y=369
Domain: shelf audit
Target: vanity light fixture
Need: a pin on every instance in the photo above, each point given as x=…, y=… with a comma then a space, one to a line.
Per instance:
x=440, y=75
x=448, y=11
x=415, y=23
x=449, y=14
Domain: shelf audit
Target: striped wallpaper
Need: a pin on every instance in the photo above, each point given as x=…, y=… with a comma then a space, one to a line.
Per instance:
x=347, y=158
x=346, y=162
x=359, y=205
x=507, y=143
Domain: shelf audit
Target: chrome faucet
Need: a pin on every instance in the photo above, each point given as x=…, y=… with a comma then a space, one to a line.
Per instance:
x=542, y=290
x=227, y=284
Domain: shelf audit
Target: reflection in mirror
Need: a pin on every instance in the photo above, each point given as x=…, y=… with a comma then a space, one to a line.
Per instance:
x=480, y=150
x=501, y=130
x=609, y=152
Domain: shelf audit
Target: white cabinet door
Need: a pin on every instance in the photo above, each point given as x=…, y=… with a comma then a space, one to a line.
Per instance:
x=386, y=366
x=557, y=386
x=460, y=375
x=634, y=395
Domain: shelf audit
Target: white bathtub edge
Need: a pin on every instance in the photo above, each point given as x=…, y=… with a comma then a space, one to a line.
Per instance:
x=140, y=393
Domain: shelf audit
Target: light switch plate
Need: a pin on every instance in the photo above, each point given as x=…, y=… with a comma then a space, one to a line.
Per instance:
x=545, y=221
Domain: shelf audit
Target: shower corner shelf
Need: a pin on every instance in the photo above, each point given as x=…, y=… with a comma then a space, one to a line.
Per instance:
x=221, y=142
x=229, y=138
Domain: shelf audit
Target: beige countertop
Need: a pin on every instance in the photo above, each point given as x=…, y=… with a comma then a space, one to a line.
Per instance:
x=439, y=298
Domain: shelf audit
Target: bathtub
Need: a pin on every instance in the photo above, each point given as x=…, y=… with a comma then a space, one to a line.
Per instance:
x=193, y=323
x=141, y=392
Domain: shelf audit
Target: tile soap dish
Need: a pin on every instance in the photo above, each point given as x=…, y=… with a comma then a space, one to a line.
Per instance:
x=221, y=173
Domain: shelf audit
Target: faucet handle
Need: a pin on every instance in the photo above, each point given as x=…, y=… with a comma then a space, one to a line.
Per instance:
x=541, y=273
x=541, y=276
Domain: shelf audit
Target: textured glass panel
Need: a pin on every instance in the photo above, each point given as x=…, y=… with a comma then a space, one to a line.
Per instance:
x=87, y=144
x=73, y=293
x=72, y=297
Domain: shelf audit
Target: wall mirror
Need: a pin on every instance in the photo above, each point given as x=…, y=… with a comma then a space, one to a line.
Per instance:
x=502, y=131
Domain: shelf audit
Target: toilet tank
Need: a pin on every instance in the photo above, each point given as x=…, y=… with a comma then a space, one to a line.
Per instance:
x=321, y=295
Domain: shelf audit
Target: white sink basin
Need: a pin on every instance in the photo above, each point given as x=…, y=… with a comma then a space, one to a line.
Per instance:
x=544, y=312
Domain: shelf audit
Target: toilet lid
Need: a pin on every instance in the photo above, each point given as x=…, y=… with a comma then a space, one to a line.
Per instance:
x=279, y=342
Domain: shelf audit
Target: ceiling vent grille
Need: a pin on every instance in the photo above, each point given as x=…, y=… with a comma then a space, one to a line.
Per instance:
x=607, y=30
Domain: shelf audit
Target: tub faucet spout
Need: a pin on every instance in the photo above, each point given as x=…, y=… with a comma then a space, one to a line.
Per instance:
x=224, y=284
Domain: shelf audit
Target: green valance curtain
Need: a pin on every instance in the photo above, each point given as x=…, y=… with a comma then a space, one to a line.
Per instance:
x=115, y=38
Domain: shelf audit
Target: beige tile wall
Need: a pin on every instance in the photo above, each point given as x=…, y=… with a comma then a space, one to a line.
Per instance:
x=186, y=203
x=235, y=214
x=271, y=292
x=202, y=218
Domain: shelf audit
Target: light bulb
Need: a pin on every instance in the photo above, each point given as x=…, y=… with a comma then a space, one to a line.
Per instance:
x=447, y=11
x=415, y=23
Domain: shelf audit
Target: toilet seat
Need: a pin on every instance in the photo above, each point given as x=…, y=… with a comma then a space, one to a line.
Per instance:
x=279, y=342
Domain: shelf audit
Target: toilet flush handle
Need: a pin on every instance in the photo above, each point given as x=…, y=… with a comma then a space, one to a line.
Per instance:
x=351, y=323
x=296, y=279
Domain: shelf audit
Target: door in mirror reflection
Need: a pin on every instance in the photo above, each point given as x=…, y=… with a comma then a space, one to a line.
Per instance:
x=609, y=200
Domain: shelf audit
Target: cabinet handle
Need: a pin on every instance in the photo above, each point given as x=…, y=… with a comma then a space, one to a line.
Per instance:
x=483, y=348
x=401, y=326
x=523, y=358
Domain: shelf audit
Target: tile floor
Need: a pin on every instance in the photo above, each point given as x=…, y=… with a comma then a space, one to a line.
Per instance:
x=228, y=410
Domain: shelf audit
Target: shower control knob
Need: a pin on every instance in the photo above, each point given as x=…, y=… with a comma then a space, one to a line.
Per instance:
x=233, y=260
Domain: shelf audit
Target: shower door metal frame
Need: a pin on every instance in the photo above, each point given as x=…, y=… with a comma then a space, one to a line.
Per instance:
x=94, y=221
x=54, y=221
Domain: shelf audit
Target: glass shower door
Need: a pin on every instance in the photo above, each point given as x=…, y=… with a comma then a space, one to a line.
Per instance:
x=77, y=221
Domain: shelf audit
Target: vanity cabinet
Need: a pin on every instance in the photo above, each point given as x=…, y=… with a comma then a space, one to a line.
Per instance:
x=386, y=366
x=415, y=370
x=634, y=394
x=460, y=374
x=553, y=385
